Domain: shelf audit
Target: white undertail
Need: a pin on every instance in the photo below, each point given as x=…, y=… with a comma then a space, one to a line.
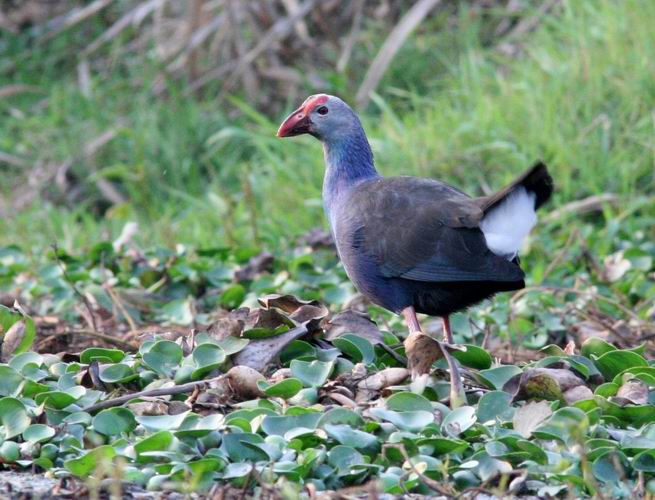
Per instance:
x=508, y=223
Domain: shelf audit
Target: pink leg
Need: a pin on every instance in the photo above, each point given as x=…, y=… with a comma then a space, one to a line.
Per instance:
x=447, y=332
x=409, y=314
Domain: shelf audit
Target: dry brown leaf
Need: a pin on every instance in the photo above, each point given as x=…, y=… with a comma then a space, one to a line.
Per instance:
x=527, y=418
x=370, y=387
x=258, y=264
x=634, y=391
x=150, y=408
x=353, y=322
x=260, y=352
x=578, y=394
x=12, y=339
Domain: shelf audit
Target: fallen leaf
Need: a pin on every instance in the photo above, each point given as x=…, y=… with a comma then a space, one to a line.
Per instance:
x=577, y=394
x=258, y=264
x=350, y=321
x=542, y=383
x=615, y=266
x=149, y=408
x=260, y=352
x=528, y=417
x=370, y=387
x=12, y=339
x=569, y=350
x=308, y=313
x=634, y=391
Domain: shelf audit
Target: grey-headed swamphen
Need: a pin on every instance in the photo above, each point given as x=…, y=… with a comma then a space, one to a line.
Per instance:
x=411, y=244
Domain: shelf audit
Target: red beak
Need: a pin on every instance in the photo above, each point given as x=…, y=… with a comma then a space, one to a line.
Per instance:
x=296, y=123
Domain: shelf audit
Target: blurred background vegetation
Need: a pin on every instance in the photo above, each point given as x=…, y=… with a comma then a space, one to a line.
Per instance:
x=164, y=112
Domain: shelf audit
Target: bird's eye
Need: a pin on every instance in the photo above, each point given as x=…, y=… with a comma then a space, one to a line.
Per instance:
x=322, y=110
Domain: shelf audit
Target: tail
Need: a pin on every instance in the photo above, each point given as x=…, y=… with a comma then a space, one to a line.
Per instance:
x=537, y=180
x=509, y=214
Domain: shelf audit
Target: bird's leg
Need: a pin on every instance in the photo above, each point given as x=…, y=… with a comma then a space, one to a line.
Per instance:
x=447, y=332
x=422, y=352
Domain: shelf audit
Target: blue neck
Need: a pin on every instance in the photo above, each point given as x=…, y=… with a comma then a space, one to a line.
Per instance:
x=349, y=161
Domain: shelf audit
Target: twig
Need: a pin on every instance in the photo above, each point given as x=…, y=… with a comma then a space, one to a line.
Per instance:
x=560, y=255
x=583, y=206
x=77, y=292
x=76, y=16
x=430, y=483
x=123, y=344
x=115, y=298
x=398, y=357
x=164, y=391
x=342, y=63
x=390, y=47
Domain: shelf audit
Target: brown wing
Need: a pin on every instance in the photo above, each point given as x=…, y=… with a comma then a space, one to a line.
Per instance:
x=422, y=230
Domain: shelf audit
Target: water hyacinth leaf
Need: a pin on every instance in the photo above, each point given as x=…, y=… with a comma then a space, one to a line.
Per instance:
x=595, y=346
x=458, y=421
x=177, y=312
x=164, y=356
x=496, y=378
x=348, y=436
x=280, y=425
x=645, y=461
x=206, y=357
x=343, y=458
x=232, y=345
x=197, y=426
x=38, y=433
x=10, y=380
x=412, y=421
x=19, y=361
x=285, y=389
x=92, y=353
x=493, y=405
x=442, y=445
x=89, y=462
x=9, y=451
x=232, y=296
x=312, y=374
x=359, y=349
x=610, y=466
x=612, y=363
x=118, y=373
x=159, y=441
x=60, y=399
x=233, y=446
x=155, y=423
x=408, y=401
x=473, y=357
x=340, y=416
x=114, y=421
x=236, y=470
x=13, y=417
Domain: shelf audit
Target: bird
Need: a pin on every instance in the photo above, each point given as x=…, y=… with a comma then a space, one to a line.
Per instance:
x=417, y=245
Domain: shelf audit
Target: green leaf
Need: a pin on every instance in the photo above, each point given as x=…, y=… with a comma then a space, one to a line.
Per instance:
x=118, y=374
x=164, y=356
x=595, y=346
x=408, y=401
x=238, y=452
x=473, y=357
x=645, y=461
x=232, y=345
x=60, y=399
x=233, y=296
x=340, y=416
x=159, y=441
x=280, y=425
x=155, y=423
x=458, y=421
x=10, y=380
x=207, y=357
x=345, y=435
x=114, y=421
x=89, y=462
x=442, y=445
x=177, y=312
x=359, y=349
x=493, y=405
x=38, y=433
x=312, y=374
x=496, y=378
x=614, y=362
x=285, y=389
x=13, y=417
x=9, y=451
x=88, y=355
x=343, y=458
x=412, y=421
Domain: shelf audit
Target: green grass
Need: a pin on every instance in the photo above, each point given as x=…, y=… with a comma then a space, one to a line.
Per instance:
x=580, y=95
